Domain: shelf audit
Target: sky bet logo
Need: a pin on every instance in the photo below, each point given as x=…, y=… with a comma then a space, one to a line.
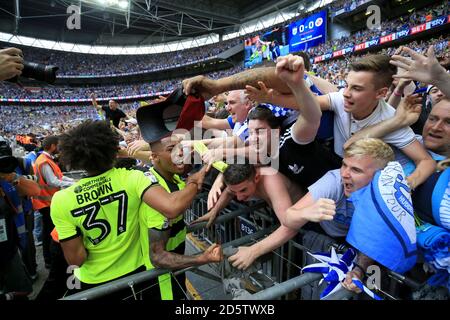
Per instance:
x=437, y=22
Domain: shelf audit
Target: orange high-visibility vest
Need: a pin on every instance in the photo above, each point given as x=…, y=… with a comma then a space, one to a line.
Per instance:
x=44, y=199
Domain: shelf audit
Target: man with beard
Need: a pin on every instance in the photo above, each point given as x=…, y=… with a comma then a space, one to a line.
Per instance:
x=51, y=180
x=164, y=238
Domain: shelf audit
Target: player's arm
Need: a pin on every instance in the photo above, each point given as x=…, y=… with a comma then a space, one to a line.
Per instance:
x=161, y=258
x=74, y=251
x=171, y=205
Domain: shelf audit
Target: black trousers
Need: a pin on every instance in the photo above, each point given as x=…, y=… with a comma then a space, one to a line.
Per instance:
x=47, y=227
x=29, y=253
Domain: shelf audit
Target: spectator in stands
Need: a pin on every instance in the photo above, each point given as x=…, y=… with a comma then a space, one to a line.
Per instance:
x=326, y=201
x=436, y=130
x=359, y=105
x=112, y=113
x=238, y=106
x=435, y=95
x=362, y=104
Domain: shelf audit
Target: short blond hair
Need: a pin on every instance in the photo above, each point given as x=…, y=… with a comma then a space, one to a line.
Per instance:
x=375, y=148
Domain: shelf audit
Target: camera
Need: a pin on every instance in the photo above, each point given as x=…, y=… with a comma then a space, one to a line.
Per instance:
x=8, y=163
x=37, y=71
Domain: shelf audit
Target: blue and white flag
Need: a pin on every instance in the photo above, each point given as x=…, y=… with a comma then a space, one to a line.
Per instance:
x=383, y=226
x=334, y=268
x=440, y=200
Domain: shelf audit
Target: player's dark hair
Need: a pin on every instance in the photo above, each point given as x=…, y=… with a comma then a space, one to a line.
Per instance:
x=92, y=146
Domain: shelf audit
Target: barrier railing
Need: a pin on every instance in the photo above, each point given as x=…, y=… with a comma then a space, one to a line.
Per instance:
x=281, y=266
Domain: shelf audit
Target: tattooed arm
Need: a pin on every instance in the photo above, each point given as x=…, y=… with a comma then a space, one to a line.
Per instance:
x=169, y=260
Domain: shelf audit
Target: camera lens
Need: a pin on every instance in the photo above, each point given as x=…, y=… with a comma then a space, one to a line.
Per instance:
x=39, y=71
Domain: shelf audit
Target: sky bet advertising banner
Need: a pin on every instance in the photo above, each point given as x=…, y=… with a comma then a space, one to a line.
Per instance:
x=440, y=21
x=308, y=32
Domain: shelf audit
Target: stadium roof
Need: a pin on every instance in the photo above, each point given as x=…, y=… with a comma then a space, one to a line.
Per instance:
x=140, y=23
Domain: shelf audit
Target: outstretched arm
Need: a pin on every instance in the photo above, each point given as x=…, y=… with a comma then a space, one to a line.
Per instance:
x=247, y=255
x=224, y=199
x=307, y=209
x=423, y=68
x=161, y=258
x=208, y=87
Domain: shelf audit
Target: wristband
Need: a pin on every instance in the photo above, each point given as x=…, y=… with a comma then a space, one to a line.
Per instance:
x=397, y=94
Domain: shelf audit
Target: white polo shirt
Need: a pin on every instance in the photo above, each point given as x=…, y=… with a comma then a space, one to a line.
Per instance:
x=345, y=125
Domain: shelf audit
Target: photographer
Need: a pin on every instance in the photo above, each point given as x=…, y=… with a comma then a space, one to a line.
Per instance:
x=11, y=63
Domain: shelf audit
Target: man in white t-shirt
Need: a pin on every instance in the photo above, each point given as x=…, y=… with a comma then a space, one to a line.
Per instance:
x=326, y=202
x=362, y=104
x=435, y=134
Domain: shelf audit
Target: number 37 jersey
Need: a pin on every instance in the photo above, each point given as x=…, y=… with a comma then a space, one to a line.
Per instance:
x=103, y=210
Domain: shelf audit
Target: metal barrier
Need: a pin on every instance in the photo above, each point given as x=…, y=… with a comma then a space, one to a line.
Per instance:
x=129, y=281
x=258, y=221
x=283, y=288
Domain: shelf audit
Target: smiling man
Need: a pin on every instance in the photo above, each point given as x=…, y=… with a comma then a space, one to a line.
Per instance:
x=436, y=131
x=238, y=105
x=163, y=236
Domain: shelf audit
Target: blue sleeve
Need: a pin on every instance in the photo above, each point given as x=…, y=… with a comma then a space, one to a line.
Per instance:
x=230, y=122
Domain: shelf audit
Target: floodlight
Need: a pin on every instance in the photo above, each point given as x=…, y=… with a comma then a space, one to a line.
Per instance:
x=123, y=4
